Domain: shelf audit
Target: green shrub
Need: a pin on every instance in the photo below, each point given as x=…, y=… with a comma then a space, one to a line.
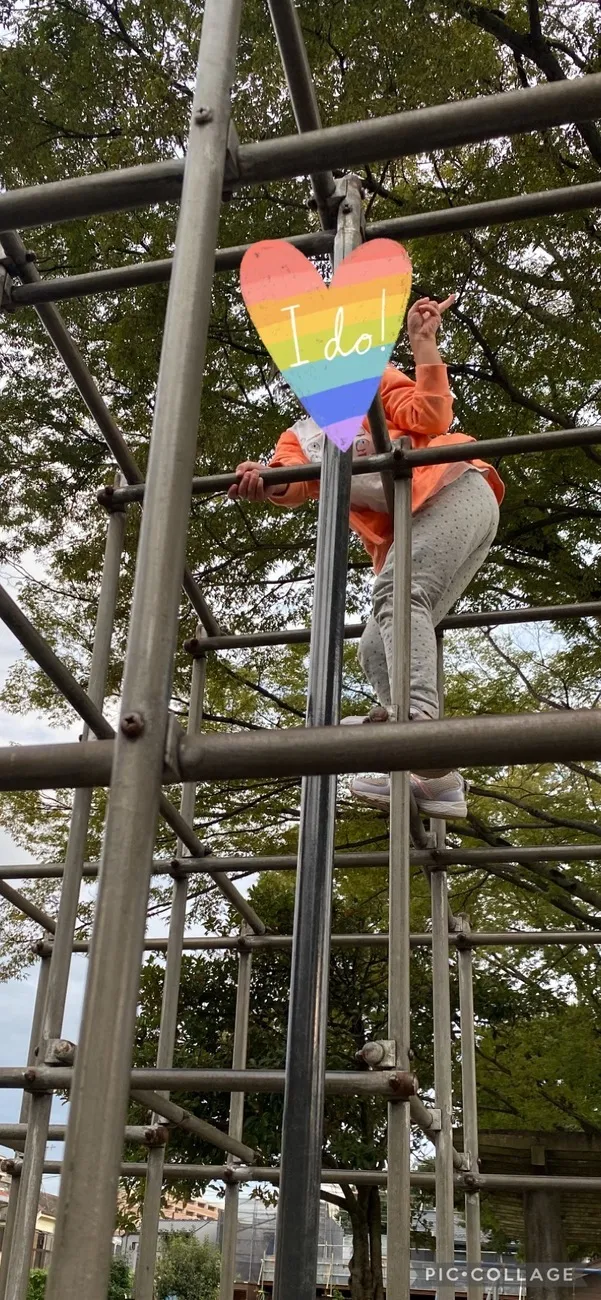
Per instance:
x=37, y=1284
x=187, y=1269
x=120, y=1279
x=119, y=1282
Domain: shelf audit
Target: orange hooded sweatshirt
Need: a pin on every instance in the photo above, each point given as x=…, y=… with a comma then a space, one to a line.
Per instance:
x=421, y=409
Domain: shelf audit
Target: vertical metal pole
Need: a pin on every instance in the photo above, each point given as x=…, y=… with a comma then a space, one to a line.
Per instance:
x=398, y=1272
x=298, y=1206
x=52, y=1019
x=465, y=960
x=100, y=1093
x=443, y=1080
x=236, y=1125
x=13, y=1195
x=149, y=1228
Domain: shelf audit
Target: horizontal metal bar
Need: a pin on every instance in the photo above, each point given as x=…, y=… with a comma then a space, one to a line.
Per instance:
x=465, y=1182
x=283, y=474
x=525, y=938
x=519, y=738
x=402, y=134
x=79, y=286
x=489, y=448
x=84, y=196
x=486, y=618
x=534, y=614
x=297, y=751
x=291, y=636
x=419, y=857
x=338, y=1083
x=56, y=1133
x=472, y=216
x=442, y=126
x=495, y=448
x=344, y=861
x=242, y=1174
x=283, y=942
x=530, y=1182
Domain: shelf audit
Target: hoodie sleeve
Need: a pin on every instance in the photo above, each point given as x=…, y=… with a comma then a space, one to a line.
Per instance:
x=289, y=452
x=425, y=406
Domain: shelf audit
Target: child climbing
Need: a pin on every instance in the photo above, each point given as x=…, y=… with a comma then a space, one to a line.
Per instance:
x=455, y=512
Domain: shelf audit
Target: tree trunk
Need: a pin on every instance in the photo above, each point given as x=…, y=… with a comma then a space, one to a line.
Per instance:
x=374, y=1211
x=359, y=1264
x=365, y=1267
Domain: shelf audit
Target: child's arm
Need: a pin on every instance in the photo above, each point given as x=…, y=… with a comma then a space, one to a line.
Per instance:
x=427, y=405
x=251, y=487
x=423, y=323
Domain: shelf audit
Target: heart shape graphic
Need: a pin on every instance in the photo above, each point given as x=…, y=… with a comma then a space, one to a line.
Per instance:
x=331, y=343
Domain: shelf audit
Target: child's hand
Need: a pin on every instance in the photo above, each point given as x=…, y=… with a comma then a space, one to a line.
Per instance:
x=425, y=317
x=423, y=323
x=250, y=486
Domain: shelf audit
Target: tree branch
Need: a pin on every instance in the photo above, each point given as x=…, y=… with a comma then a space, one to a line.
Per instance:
x=535, y=23
x=588, y=828
x=501, y=376
x=536, y=695
x=533, y=47
x=552, y=875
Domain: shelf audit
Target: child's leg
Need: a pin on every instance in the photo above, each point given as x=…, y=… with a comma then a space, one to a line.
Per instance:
x=451, y=538
x=372, y=657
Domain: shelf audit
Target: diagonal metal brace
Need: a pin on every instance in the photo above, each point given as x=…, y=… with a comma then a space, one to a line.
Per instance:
x=179, y=1118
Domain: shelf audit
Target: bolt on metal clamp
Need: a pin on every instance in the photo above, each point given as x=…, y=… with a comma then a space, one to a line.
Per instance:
x=59, y=1051
x=379, y=1055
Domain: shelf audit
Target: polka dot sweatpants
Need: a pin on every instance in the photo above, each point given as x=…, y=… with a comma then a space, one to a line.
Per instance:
x=451, y=537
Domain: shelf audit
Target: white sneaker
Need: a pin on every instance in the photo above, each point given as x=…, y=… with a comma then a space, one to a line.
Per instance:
x=440, y=796
x=377, y=713
x=372, y=790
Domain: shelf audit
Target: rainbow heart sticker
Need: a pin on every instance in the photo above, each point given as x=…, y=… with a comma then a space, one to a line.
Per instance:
x=331, y=343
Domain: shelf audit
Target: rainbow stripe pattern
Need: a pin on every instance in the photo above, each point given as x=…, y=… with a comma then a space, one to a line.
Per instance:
x=331, y=343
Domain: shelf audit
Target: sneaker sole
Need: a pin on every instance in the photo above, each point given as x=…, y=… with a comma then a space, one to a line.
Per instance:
x=438, y=808
x=381, y=802
x=365, y=720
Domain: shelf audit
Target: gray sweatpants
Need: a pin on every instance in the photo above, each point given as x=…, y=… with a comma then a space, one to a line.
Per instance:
x=451, y=538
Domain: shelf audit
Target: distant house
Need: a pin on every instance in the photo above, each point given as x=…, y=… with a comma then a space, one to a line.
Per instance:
x=45, y=1223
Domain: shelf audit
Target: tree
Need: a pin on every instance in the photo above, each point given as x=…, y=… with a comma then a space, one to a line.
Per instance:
x=120, y=1279
x=36, y=1287
x=187, y=1269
